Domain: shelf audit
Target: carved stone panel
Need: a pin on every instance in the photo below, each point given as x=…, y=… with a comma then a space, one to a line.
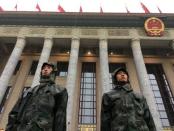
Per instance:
x=37, y=31
x=10, y=30
x=118, y=32
x=63, y=31
x=89, y=32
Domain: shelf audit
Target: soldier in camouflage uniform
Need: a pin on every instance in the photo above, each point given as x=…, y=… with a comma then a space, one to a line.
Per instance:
x=42, y=108
x=122, y=109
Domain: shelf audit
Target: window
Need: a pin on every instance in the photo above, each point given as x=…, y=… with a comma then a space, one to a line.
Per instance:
x=5, y=97
x=162, y=93
x=62, y=68
x=33, y=68
x=17, y=67
x=87, y=107
x=112, y=68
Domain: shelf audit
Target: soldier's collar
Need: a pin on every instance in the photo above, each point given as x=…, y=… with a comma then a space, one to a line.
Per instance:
x=126, y=87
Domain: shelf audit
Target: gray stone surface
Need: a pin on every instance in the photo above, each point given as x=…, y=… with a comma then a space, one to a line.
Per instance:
x=71, y=79
x=11, y=65
x=104, y=66
x=144, y=82
x=48, y=43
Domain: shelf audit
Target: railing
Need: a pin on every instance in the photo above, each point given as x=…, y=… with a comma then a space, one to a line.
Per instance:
x=93, y=128
x=87, y=128
x=168, y=128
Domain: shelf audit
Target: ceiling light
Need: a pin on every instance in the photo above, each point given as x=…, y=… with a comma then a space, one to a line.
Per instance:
x=89, y=52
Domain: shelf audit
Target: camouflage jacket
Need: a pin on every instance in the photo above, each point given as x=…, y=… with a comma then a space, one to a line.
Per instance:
x=123, y=110
x=42, y=108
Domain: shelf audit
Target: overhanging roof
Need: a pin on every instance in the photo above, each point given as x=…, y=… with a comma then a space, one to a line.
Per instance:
x=82, y=19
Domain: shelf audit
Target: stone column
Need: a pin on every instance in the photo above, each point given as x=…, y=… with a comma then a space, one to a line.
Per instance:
x=104, y=65
x=18, y=86
x=171, y=35
x=168, y=70
x=144, y=82
x=48, y=43
x=11, y=65
x=71, y=80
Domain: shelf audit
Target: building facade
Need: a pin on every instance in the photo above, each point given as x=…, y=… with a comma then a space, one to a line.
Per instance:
x=87, y=48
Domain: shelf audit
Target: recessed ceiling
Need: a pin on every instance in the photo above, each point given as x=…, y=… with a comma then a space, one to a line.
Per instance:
x=155, y=43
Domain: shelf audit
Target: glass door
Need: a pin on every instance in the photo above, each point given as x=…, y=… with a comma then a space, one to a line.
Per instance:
x=87, y=101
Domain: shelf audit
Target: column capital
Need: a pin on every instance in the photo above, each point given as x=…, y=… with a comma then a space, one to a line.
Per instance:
x=133, y=33
x=103, y=39
x=135, y=39
x=20, y=42
x=21, y=37
x=75, y=38
x=76, y=32
x=48, y=38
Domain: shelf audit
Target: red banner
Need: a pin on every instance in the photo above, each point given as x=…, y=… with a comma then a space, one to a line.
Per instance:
x=144, y=8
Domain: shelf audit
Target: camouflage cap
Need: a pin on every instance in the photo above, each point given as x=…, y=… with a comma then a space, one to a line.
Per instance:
x=50, y=64
x=51, y=78
x=115, y=73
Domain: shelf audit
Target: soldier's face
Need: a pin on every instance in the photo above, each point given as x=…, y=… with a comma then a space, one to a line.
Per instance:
x=121, y=76
x=46, y=70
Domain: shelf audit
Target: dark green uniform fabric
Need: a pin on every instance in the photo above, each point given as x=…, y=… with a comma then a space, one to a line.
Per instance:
x=42, y=108
x=123, y=110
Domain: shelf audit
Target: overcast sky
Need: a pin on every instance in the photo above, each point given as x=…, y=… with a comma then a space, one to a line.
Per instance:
x=166, y=6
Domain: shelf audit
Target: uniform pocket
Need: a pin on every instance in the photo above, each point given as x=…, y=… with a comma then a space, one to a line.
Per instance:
x=141, y=125
x=44, y=124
